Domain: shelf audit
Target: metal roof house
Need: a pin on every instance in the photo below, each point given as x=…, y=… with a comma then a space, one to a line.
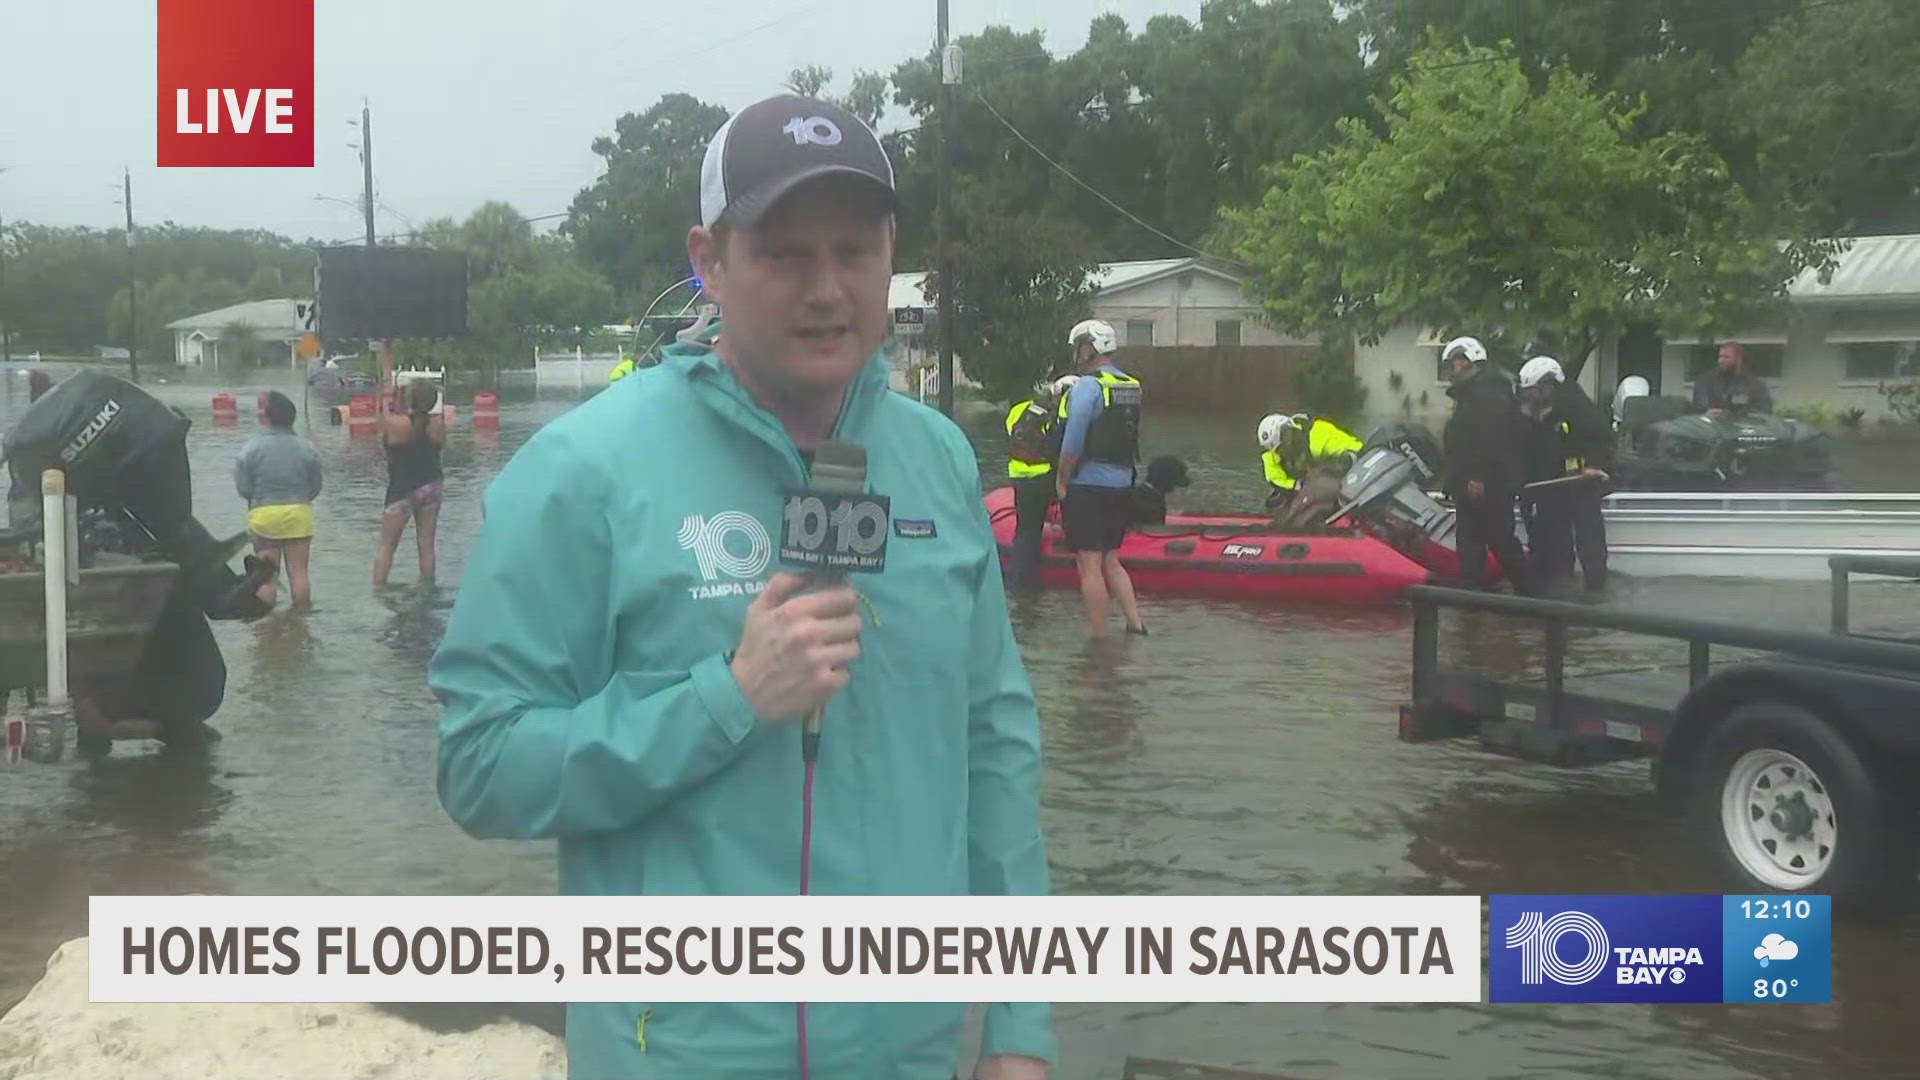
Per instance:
x=1149, y=302
x=203, y=339
x=1839, y=342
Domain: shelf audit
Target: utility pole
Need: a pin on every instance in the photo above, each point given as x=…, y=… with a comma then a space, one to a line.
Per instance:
x=366, y=172
x=366, y=163
x=6, y=328
x=949, y=76
x=133, y=283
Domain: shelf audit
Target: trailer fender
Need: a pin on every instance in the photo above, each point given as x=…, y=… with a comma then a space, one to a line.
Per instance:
x=1709, y=703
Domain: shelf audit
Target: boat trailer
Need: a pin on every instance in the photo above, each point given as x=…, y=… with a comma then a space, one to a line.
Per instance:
x=1839, y=712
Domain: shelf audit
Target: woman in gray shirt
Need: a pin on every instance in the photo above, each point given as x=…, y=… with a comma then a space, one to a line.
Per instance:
x=278, y=474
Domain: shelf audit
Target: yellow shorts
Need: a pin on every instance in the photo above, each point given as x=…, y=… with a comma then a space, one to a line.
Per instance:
x=287, y=521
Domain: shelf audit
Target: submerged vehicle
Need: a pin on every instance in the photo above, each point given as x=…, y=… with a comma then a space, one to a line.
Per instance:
x=125, y=459
x=1663, y=443
x=332, y=387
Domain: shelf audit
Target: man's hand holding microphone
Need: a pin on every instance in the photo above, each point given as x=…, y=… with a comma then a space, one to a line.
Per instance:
x=796, y=645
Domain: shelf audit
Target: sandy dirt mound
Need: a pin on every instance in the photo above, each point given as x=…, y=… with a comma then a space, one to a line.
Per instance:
x=55, y=1033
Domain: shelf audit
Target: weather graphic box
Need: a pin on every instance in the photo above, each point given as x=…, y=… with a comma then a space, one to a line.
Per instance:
x=1615, y=948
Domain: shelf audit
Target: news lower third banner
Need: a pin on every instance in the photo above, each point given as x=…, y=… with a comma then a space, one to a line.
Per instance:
x=1502, y=948
x=785, y=948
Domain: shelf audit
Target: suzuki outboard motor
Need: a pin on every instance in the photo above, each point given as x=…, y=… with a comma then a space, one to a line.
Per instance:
x=125, y=456
x=1413, y=442
x=1386, y=493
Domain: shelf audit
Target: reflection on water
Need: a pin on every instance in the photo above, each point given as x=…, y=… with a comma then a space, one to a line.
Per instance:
x=1242, y=748
x=419, y=619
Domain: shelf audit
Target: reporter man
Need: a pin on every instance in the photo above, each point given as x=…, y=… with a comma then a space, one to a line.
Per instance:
x=625, y=668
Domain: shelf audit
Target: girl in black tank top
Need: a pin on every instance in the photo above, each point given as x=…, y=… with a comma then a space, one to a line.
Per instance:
x=413, y=484
x=412, y=464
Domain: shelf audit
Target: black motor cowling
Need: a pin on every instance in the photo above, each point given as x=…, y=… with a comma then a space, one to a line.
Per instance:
x=1413, y=442
x=125, y=457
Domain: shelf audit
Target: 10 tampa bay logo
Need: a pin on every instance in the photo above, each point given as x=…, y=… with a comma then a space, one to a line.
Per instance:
x=1605, y=948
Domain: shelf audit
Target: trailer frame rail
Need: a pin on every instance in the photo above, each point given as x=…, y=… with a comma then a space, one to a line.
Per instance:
x=1588, y=720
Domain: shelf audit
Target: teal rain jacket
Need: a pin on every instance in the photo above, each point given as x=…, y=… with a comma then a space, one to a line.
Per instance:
x=588, y=700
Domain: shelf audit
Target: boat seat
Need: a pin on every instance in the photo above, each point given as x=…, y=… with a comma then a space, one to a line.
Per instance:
x=1640, y=411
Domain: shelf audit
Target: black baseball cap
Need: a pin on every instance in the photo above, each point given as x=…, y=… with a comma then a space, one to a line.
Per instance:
x=770, y=147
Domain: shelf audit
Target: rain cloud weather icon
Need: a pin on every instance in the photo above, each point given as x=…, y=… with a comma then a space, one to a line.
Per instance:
x=1774, y=947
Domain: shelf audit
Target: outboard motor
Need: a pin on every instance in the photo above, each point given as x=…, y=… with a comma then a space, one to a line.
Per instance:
x=1386, y=494
x=1413, y=442
x=125, y=456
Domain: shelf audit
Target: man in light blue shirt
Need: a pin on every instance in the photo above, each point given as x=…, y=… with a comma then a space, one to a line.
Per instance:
x=1097, y=467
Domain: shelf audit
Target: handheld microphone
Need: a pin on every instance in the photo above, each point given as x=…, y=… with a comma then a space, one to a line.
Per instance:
x=833, y=528
x=830, y=529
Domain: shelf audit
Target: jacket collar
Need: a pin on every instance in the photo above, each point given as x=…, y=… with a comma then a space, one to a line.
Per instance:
x=714, y=384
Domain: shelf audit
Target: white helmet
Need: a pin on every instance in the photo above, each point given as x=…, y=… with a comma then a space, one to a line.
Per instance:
x=1103, y=338
x=1275, y=425
x=1474, y=351
x=1540, y=367
x=1631, y=387
x=1064, y=383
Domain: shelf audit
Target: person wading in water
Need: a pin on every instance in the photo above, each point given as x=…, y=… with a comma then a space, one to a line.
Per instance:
x=412, y=443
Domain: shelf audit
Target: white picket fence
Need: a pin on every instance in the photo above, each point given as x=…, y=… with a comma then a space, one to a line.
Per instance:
x=580, y=370
x=572, y=367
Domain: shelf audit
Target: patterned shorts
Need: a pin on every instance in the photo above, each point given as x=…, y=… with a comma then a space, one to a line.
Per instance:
x=420, y=498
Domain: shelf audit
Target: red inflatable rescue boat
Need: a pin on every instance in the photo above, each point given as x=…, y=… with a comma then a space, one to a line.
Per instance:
x=1231, y=556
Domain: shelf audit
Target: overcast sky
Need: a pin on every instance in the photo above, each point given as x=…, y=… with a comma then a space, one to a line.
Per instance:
x=472, y=100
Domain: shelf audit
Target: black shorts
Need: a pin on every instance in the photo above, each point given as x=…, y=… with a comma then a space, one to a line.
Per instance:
x=1096, y=518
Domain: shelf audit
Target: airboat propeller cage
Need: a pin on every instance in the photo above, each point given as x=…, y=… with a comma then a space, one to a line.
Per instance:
x=122, y=451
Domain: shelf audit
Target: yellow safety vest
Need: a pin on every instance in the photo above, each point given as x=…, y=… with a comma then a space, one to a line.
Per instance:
x=1324, y=439
x=1017, y=468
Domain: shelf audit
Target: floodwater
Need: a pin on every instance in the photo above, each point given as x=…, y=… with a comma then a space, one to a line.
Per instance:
x=1242, y=749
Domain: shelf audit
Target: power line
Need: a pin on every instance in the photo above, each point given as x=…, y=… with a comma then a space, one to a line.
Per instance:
x=1730, y=16
x=1095, y=192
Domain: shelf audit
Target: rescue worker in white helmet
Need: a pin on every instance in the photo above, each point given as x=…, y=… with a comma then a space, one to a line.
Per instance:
x=1484, y=448
x=1099, y=453
x=1032, y=449
x=1303, y=458
x=1567, y=436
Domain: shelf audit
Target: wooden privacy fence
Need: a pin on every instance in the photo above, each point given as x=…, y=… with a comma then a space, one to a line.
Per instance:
x=1217, y=377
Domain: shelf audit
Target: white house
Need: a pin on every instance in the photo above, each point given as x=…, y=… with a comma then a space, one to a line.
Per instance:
x=1837, y=344
x=1148, y=302
x=1179, y=302
x=1840, y=341
x=197, y=338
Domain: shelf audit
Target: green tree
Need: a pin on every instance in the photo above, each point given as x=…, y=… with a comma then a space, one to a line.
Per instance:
x=1489, y=204
x=631, y=223
x=240, y=345
x=1019, y=281
x=1601, y=38
x=1831, y=97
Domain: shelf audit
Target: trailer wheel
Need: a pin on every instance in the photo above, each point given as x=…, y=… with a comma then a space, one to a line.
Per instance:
x=1788, y=806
